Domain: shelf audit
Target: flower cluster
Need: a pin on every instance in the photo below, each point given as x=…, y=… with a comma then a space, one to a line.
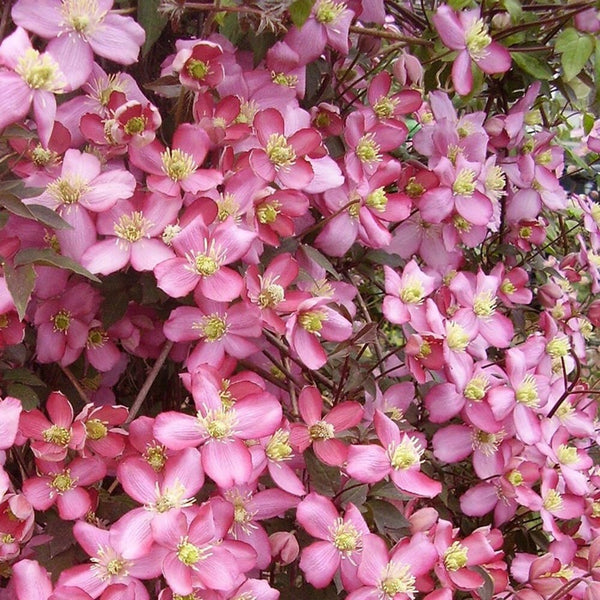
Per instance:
x=298, y=318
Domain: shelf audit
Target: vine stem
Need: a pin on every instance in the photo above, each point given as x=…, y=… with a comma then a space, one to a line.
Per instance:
x=82, y=393
x=389, y=35
x=139, y=399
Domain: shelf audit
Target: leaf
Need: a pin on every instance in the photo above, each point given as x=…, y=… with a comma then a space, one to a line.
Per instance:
x=21, y=375
x=35, y=212
x=29, y=399
x=357, y=494
x=575, y=49
x=20, y=282
x=151, y=20
x=387, y=517
x=167, y=86
x=588, y=123
x=532, y=65
x=513, y=7
x=486, y=591
x=323, y=478
x=314, y=255
x=300, y=11
x=459, y=4
x=49, y=258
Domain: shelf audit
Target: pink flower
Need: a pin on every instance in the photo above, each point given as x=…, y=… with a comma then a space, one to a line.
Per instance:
x=321, y=432
x=400, y=458
x=30, y=78
x=102, y=434
x=312, y=320
x=200, y=262
x=281, y=155
x=199, y=66
x=64, y=485
x=466, y=32
x=77, y=29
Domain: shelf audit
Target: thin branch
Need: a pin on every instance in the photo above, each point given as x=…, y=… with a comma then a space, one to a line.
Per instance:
x=139, y=400
x=82, y=393
x=389, y=35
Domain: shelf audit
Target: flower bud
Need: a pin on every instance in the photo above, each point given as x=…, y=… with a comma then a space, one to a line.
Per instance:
x=284, y=547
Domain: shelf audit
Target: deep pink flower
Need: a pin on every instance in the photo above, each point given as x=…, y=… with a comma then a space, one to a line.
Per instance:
x=199, y=66
x=102, y=433
x=78, y=29
x=466, y=32
x=321, y=431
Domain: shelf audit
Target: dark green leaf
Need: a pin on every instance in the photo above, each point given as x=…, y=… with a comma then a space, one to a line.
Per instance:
x=314, y=255
x=151, y=20
x=21, y=375
x=532, y=65
x=29, y=399
x=379, y=257
x=300, y=11
x=459, y=4
x=323, y=478
x=486, y=591
x=20, y=282
x=387, y=517
x=49, y=258
x=357, y=494
x=35, y=212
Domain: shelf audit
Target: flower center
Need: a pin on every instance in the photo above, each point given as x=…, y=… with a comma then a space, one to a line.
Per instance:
x=321, y=430
x=96, y=338
x=132, y=228
x=267, y=212
x=558, y=347
x=211, y=327
x=455, y=557
x=172, y=498
x=456, y=337
x=312, y=321
x=461, y=224
x=271, y=294
x=61, y=320
x=495, y=179
x=95, y=429
x=197, y=69
x=553, y=500
x=527, y=393
x=177, y=165
x=169, y=232
x=278, y=447
x=413, y=292
x=406, y=454
x=328, y=11
x=135, y=125
x=487, y=443
x=219, y=424
x=567, y=455
x=377, y=200
x=280, y=153
x=63, y=482
x=464, y=184
x=66, y=191
x=42, y=156
x=515, y=477
x=484, y=304
x=397, y=579
x=367, y=149
x=189, y=554
x=345, y=536
x=384, y=107
x=508, y=287
x=58, y=435
x=156, y=457
x=414, y=189
x=477, y=40
x=40, y=71
x=284, y=80
x=228, y=207
x=476, y=388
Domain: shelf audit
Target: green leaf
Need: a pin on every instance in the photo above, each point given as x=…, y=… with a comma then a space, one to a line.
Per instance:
x=323, y=478
x=21, y=375
x=513, y=7
x=459, y=4
x=357, y=494
x=575, y=49
x=49, y=258
x=387, y=517
x=20, y=282
x=588, y=123
x=300, y=11
x=314, y=255
x=35, y=212
x=532, y=65
x=29, y=399
x=486, y=591
x=151, y=20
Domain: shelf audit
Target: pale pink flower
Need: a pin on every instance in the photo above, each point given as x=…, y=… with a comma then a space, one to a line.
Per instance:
x=466, y=32
x=30, y=78
x=78, y=29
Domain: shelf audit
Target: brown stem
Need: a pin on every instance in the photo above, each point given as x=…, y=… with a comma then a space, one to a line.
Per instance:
x=389, y=35
x=82, y=393
x=139, y=399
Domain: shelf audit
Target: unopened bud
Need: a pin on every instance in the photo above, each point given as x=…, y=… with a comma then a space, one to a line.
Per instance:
x=284, y=547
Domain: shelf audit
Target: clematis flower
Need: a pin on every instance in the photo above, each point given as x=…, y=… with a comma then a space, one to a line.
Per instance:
x=29, y=78
x=466, y=32
x=341, y=541
x=79, y=28
x=321, y=432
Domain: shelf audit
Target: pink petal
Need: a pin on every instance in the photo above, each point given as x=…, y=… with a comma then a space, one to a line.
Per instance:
x=319, y=562
x=367, y=464
x=227, y=463
x=462, y=76
x=178, y=431
x=310, y=404
x=118, y=38
x=74, y=56
x=317, y=515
